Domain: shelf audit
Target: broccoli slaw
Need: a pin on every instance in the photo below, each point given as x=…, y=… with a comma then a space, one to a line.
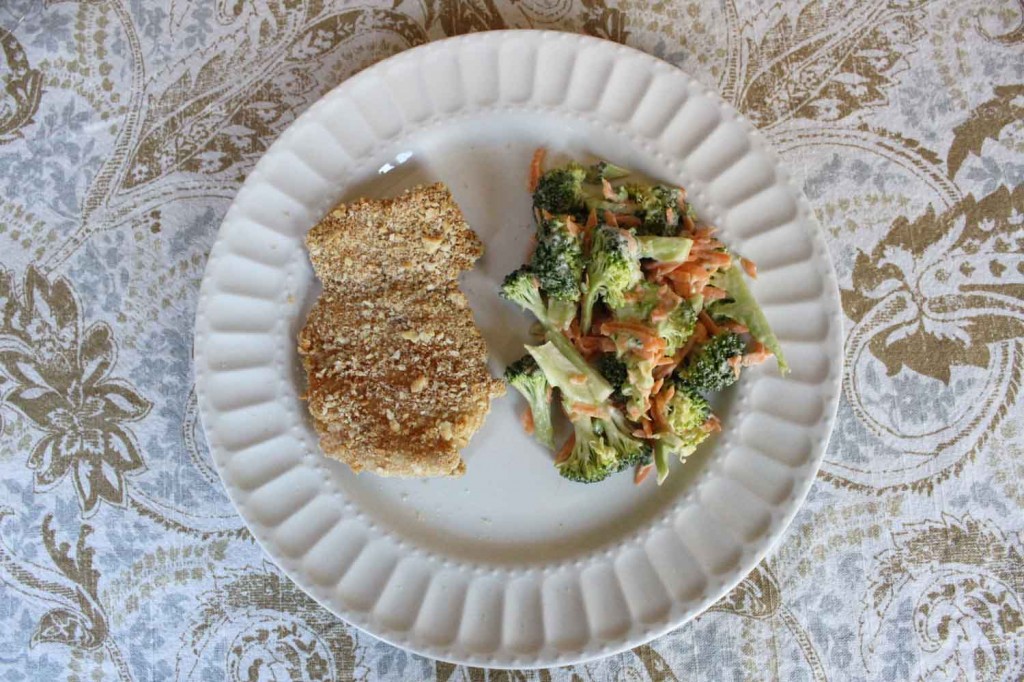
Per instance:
x=643, y=313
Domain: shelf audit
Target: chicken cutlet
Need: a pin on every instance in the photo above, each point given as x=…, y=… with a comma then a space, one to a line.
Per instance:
x=396, y=368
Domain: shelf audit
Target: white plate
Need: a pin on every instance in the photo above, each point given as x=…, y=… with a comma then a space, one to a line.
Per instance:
x=512, y=566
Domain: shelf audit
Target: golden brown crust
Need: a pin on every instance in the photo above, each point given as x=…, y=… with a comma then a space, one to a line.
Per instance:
x=373, y=242
x=396, y=368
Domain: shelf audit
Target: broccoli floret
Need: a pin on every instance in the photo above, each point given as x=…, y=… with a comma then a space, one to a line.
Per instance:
x=613, y=269
x=658, y=208
x=558, y=260
x=592, y=459
x=614, y=371
x=639, y=384
x=686, y=413
x=677, y=328
x=632, y=451
x=602, y=447
x=606, y=171
x=560, y=190
x=664, y=249
x=521, y=286
x=526, y=377
x=709, y=369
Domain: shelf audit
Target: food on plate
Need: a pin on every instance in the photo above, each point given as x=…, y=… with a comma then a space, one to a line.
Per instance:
x=644, y=314
x=396, y=368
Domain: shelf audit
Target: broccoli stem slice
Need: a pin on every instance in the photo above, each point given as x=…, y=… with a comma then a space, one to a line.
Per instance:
x=561, y=368
x=589, y=301
x=664, y=249
x=662, y=450
x=561, y=313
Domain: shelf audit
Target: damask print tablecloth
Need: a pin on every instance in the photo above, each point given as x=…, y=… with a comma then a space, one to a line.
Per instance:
x=127, y=126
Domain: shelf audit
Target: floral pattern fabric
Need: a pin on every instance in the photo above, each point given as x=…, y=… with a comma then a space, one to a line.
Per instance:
x=126, y=128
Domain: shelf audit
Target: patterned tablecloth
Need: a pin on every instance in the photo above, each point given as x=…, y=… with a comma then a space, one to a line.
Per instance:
x=126, y=127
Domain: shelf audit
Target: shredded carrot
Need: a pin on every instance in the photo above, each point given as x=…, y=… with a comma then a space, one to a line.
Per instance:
x=704, y=232
x=653, y=346
x=636, y=329
x=709, y=324
x=566, y=449
x=700, y=333
x=527, y=419
x=591, y=220
x=609, y=219
x=734, y=326
x=758, y=354
x=627, y=220
x=578, y=379
x=735, y=362
x=718, y=259
x=688, y=223
x=591, y=345
x=647, y=427
x=749, y=267
x=690, y=343
x=670, y=215
x=695, y=270
x=657, y=386
x=712, y=425
x=681, y=199
x=584, y=409
x=656, y=270
x=608, y=191
x=658, y=403
x=713, y=293
x=571, y=226
x=633, y=295
x=535, y=167
x=664, y=371
x=642, y=472
x=665, y=361
x=668, y=301
x=546, y=215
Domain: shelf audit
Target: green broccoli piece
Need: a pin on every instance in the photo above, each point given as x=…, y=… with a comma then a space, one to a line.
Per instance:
x=658, y=208
x=606, y=171
x=525, y=376
x=615, y=373
x=521, y=287
x=560, y=190
x=602, y=447
x=632, y=451
x=677, y=328
x=688, y=410
x=562, y=367
x=558, y=261
x=613, y=269
x=639, y=383
x=709, y=369
x=664, y=249
x=741, y=306
x=686, y=414
x=592, y=459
